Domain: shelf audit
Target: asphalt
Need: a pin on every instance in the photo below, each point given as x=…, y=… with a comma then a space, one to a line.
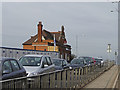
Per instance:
x=106, y=80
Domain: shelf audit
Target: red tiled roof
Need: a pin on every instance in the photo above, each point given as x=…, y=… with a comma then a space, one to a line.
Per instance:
x=31, y=40
x=47, y=35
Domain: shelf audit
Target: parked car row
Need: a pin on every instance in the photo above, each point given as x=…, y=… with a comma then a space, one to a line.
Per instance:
x=83, y=61
x=30, y=65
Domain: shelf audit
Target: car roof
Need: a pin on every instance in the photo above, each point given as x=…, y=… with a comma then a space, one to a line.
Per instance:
x=85, y=56
x=78, y=59
x=33, y=55
x=98, y=58
x=58, y=59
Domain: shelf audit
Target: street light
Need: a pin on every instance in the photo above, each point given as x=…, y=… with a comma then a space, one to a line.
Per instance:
x=116, y=53
x=109, y=48
x=109, y=51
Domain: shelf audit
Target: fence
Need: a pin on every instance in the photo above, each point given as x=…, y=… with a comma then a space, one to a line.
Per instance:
x=69, y=78
x=17, y=53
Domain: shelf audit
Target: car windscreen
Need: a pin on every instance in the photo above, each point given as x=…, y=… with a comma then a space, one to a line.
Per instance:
x=30, y=61
x=57, y=62
x=77, y=61
x=88, y=59
x=98, y=60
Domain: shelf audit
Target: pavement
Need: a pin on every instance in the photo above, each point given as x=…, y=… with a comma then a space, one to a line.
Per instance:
x=106, y=80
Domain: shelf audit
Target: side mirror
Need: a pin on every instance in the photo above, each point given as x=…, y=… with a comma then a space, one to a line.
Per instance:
x=64, y=65
x=45, y=65
x=6, y=72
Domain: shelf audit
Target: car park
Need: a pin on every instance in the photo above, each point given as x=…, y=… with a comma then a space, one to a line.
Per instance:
x=77, y=63
x=60, y=63
x=37, y=64
x=11, y=68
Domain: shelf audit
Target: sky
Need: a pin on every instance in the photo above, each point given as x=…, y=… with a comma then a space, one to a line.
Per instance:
x=91, y=25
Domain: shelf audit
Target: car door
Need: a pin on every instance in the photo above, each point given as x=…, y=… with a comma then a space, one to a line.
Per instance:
x=65, y=64
x=6, y=70
x=44, y=65
x=17, y=71
x=50, y=67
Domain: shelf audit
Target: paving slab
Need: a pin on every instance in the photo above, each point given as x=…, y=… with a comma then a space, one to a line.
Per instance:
x=105, y=80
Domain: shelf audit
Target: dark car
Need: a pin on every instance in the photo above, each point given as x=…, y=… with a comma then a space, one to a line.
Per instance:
x=89, y=60
x=11, y=68
x=60, y=64
x=77, y=63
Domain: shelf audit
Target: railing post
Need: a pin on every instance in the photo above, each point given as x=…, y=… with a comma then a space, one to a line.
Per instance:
x=45, y=81
x=68, y=78
x=72, y=78
x=52, y=80
x=64, y=79
x=59, y=79
x=79, y=77
x=82, y=77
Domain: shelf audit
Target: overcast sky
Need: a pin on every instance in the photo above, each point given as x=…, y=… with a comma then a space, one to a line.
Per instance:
x=93, y=24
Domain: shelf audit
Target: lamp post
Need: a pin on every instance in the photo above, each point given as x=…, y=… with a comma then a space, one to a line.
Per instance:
x=109, y=51
x=116, y=57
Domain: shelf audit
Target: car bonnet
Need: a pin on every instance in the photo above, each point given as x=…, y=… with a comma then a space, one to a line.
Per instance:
x=31, y=69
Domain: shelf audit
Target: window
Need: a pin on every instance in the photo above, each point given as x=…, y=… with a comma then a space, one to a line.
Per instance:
x=30, y=61
x=34, y=47
x=49, y=61
x=15, y=65
x=64, y=62
x=7, y=67
x=45, y=61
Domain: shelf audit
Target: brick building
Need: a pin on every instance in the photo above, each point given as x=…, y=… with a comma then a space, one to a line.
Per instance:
x=44, y=41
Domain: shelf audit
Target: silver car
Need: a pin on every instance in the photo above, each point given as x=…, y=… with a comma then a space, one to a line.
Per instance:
x=37, y=64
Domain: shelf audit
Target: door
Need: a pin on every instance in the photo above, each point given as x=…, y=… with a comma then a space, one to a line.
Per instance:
x=6, y=70
x=17, y=71
x=50, y=65
x=44, y=65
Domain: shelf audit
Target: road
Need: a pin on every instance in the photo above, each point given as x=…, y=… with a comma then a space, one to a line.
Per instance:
x=106, y=80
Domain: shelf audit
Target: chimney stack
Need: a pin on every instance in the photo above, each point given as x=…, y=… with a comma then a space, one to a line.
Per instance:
x=40, y=32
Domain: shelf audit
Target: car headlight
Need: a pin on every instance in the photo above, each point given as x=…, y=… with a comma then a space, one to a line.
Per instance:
x=101, y=61
x=70, y=67
x=32, y=74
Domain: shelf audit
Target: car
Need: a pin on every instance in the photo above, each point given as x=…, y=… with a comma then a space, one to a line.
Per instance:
x=94, y=61
x=77, y=63
x=37, y=64
x=99, y=61
x=60, y=63
x=11, y=68
x=89, y=60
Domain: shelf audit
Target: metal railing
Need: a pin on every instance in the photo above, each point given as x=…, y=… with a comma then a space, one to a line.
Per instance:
x=69, y=78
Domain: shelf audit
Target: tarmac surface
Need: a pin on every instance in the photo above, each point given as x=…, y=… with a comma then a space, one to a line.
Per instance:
x=106, y=80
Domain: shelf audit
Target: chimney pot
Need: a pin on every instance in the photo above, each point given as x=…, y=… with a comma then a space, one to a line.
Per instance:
x=40, y=22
